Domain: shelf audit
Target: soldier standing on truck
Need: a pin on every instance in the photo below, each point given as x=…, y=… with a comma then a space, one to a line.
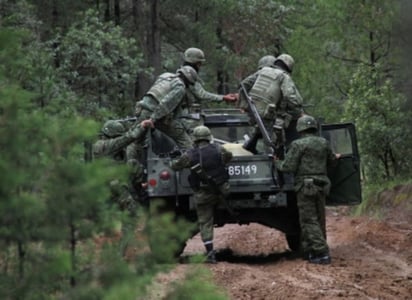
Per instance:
x=277, y=99
x=163, y=103
x=308, y=158
x=209, y=180
x=195, y=57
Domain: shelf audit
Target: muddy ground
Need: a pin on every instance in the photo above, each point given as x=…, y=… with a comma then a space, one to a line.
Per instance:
x=371, y=258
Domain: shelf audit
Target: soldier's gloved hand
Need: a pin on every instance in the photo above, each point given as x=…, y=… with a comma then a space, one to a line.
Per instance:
x=231, y=97
x=147, y=123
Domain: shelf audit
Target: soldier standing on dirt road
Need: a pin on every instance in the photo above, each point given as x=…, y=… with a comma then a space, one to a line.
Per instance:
x=308, y=158
x=209, y=180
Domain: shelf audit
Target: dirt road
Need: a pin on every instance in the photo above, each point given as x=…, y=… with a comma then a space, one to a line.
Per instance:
x=370, y=260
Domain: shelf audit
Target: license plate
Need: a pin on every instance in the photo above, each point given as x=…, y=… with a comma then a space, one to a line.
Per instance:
x=243, y=170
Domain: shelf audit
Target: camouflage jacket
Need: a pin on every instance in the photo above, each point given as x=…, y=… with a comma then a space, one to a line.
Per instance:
x=112, y=147
x=115, y=147
x=170, y=104
x=308, y=157
x=197, y=94
x=291, y=101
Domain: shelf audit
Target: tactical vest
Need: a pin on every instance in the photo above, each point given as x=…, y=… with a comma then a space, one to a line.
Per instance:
x=210, y=160
x=162, y=86
x=266, y=89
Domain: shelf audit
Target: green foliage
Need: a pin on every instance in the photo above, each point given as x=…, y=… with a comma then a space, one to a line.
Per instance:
x=99, y=65
x=19, y=15
x=330, y=39
x=233, y=35
x=380, y=115
x=166, y=241
x=49, y=196
x=374, y=204
x=53, y=204
x=198, y=285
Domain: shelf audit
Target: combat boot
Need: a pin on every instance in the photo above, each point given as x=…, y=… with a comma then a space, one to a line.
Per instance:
x=322, y=259
x=210, y=253
x=211, y=257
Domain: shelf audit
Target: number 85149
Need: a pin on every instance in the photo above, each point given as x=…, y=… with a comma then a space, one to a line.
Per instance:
x=236, y=170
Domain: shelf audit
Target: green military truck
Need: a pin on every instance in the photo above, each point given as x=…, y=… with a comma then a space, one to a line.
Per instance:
x=256, y=196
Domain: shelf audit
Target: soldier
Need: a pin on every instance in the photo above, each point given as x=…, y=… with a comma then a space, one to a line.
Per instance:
x=114, y=139
x=208, y=179
x=195, y=57
x=266, y=61
x=308, y=158
x=277, y=99
x=162, y=104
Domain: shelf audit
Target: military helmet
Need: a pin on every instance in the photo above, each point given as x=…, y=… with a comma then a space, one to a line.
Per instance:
x=287, y=60
x=194, y=55
x=189, y=73
x=306, y=122
x=266, y=61
x=113, y=128
x=202, y=133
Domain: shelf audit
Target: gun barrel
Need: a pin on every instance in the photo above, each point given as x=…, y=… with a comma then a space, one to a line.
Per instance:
x=258, y=119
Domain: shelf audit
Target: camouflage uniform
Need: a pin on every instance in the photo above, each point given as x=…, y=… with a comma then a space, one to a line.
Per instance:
x=198, y=94
x=211, y=159
x=194, y=57
x=276, y=97
x=308, y=158
x=163, y=104
x=114, y=145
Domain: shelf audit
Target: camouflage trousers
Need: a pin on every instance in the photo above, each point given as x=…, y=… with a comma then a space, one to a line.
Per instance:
x=206, y=199
x=121, y=195
x=171, y=127
x=312, y=222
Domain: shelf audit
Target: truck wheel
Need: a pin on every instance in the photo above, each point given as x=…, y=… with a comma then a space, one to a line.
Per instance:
x=293, y=241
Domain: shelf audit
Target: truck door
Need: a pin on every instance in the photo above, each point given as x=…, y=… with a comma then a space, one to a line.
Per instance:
x=345, y=177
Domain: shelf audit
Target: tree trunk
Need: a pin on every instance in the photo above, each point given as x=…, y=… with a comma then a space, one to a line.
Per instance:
x=21, y=256
x=73, y=243
x=146, y=20
x=107, y=11
x=117, y=12
x=222, y=76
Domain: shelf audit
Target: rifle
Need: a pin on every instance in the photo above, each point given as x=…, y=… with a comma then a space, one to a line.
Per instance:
x=187, y=116
x=252, y=107
x=127, y=119
x=266, y=137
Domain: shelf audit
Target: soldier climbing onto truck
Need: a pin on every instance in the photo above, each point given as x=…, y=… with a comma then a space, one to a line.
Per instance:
x=277, y=99
x=162, y=104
